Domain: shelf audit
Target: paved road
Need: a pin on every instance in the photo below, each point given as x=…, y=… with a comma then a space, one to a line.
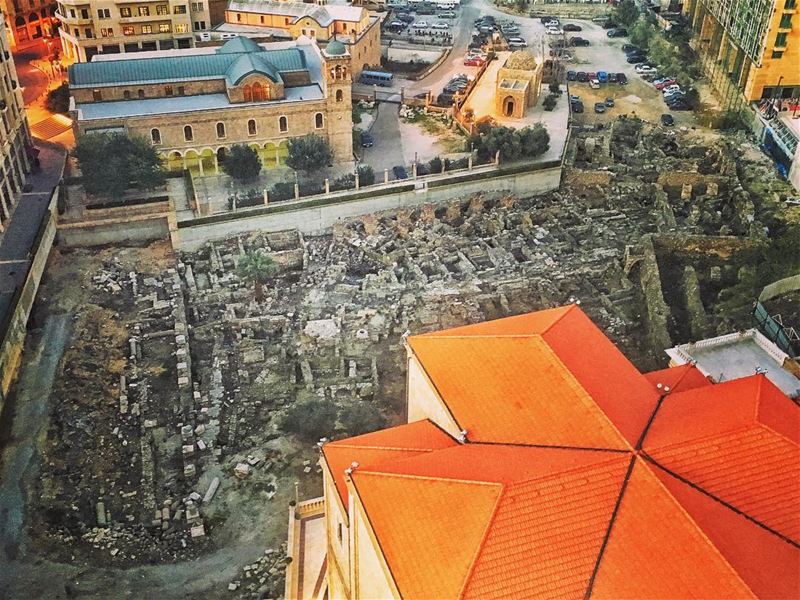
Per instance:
x=33, y=81
x=388, y=149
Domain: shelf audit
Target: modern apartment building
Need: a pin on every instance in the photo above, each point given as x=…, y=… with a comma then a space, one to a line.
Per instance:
x=14, y=134
x=29, y=20
x=194, y=104
x=91, y=27
x=749, y=49
x=538, y=462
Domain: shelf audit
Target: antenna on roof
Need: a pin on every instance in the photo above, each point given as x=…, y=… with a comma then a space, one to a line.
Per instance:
x=349, y=470
x=462, y=436
x=761, y=370
x=406, y=333
x=666, y=388
x=659, y=386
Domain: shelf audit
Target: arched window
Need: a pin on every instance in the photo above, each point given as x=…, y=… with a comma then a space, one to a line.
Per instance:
x=220, y=130
x=259, y=94
x=318, y=122
x=155, y=136
x=20, y=22
x=126, y=94
x=140, y=93
x=251, y=127
x=188, y=134
x=339, y=95
x=248, y=93
x=283, y=124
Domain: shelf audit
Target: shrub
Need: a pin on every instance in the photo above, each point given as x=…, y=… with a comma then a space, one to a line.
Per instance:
x=555, y=88
x=281, y=191
x=366, y=175
x=549, y=102
x=361, y=417
x=310, y=420
x=435, y=165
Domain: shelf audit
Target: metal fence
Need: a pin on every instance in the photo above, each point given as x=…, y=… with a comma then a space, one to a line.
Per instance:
x=785, y=338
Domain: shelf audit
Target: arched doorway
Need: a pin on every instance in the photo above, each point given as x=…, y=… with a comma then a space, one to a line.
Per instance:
x=207, y=158
x=175, y=161
x=508, y=106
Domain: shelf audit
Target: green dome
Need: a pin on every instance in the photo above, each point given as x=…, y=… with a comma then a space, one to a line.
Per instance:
x=335, y=48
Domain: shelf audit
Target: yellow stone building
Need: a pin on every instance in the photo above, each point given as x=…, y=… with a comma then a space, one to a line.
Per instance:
x=193, y=105
x=353, y=26
x=518, y=83
x=749, y=49
x=29, y=20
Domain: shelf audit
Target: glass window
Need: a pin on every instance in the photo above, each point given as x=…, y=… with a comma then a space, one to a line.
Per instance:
x=181, y=90
x=128, y=30
x=220, y=130
x=162, y=9
x=339, y=95
x=181, y=28
x=789, y=4
x=84, y=13
x=140, y=93
x=147, y=29
x=126, y=94
x=88, y=32
x=180, y=9
x=188, y=134
x=780, y=40
x=283, y=124
x=786, y=22
x=155, y=135
x=163, y=27
x=318, y=120
x=144, y=11
x=251, y=127
x=97, y=95
x=168, y=90
x=777, y=53
x=125, y=11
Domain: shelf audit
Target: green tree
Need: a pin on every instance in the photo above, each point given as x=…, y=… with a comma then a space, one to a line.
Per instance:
x=258, y=268
x=114, y=162
x=242, y=163
x=309, y=153
x=549, y=102
x=642, y=33
x=626, y=12
x=361, y=417
x=310, y=420
x=535, y=140
x=57, y=100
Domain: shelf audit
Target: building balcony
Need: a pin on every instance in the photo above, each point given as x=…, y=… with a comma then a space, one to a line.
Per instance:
x=147, y=19
x=306, y=574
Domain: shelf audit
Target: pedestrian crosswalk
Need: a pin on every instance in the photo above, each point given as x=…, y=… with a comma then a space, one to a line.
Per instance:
x=50, y=127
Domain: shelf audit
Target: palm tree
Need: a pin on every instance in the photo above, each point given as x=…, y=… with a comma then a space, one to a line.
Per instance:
x=258, y=268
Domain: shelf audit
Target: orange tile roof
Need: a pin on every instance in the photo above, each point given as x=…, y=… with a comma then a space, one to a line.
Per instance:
x=680, y=378
x=513, y=389
x=768, y=564
x=530, y=380
x=656, y=551
x=497, y=517
x=434, y=527
x=382, y=446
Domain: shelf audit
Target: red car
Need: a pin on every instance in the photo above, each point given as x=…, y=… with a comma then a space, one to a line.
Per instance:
x=662, y=84
x=591, y=75
x=474, y=61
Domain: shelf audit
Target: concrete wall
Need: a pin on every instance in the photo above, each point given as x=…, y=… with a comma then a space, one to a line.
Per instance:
x=12, y=344
x=191, y=235
x=780, y=287
x=371, y=578
x=134, y=230
x=338, y=553
x=405, y=55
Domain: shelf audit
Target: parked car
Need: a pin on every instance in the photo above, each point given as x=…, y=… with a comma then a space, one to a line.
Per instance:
x=645, y=69
x=662, y=83
x=609, y=24
x=670, y=89
x=448, y=14
x=421, y=25
x=577, y=107
x=551, y=22
x=422, y=169
x=366, y=140
x=635, y=59
x=609, y=102
x=517, y=42
x=399, y=172
x=612, y=78
x=629, y=48
x=602, y=77
x=594, y=84
x=554, y=31
x=571, y=75
x=599, y=107
x=579, y=41
x=591, y=75
x=445, y=99
x=622, y=79
x=440, y=25
x=572, y=27
x=474, y=60
x=581, y=76
x=613, y=33
x=667, y=120
x=406, y=18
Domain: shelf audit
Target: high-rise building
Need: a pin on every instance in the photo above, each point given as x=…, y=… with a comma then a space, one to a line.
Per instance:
x=749, y=49
x=29, y=20
x=91, y=27
x=14, y=133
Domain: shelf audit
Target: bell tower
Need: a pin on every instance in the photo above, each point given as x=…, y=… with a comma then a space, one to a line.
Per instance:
x=338, y=89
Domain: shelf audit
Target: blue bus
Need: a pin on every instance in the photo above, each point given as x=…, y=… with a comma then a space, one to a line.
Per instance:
x=376, y=78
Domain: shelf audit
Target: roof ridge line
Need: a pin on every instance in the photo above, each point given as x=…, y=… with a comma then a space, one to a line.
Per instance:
x=391, y=448
x=366, y=471
x=611, y=522
x=778, y=433
x=727, y=505
x=480, y=335
x=568, y=308
x=479, y=551
x=553, y=447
